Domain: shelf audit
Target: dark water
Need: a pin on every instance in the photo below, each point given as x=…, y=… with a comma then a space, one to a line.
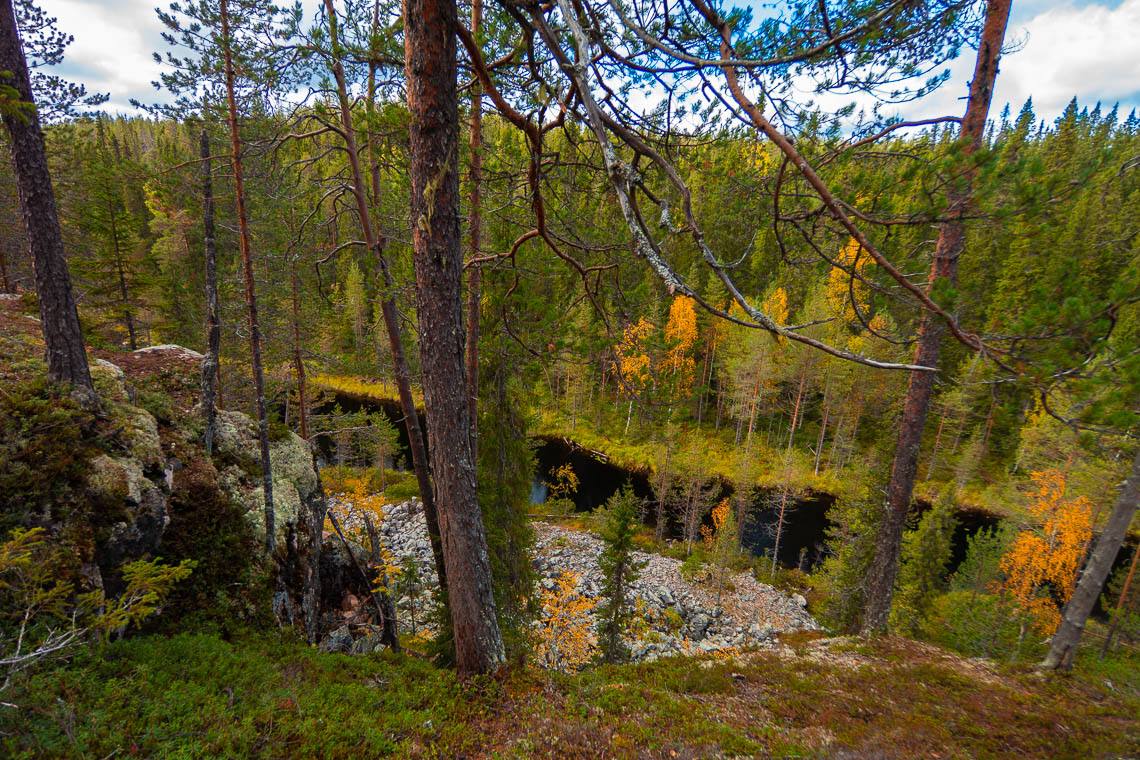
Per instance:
x=805, y=523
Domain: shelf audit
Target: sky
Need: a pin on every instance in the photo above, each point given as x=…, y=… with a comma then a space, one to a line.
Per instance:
x=1065, y=48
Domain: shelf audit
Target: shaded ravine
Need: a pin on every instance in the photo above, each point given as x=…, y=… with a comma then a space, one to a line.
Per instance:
x=806, y=516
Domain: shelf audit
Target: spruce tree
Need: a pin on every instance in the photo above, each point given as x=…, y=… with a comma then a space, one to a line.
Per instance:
x=620, y=521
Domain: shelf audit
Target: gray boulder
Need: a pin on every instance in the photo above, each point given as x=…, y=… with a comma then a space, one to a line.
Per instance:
x=339, y=640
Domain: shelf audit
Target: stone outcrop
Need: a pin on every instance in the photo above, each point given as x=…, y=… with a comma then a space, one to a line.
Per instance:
x=142, y=475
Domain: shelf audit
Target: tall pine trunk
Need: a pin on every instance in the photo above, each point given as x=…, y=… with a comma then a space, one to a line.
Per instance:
x=250, y=289
x=388, y=309
x=6, y=285
x=59, y=317
x=210, y=369
x=880, y=584
x=1063, y=646
x=433, y=102
x=475, y=232
x=298, y=359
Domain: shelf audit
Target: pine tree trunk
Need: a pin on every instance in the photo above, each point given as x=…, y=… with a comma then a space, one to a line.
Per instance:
x=951, y=244
x=796, y=413
x=937, y=440
x=475, y=224
x=433, y=103
x=250, y=289
x=389, y=623
x=124, y=297
x=1063, y=646
x=836, y=436
x=822, y=434
x=780, y=520
x=704, y=381
x=5, y=280
x=375, y=243
x=752, y=407
x=59, y=317
x=298, y=362
x=210, y=368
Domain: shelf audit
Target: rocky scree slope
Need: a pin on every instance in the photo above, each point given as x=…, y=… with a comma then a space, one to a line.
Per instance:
x=681, y=617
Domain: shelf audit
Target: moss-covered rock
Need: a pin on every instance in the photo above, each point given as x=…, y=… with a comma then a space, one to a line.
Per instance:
x=287, y=510
x=111, y=480
x=294, y=479
x=140, y=435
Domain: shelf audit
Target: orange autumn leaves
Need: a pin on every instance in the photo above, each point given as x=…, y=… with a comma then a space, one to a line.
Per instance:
x=1049, y=555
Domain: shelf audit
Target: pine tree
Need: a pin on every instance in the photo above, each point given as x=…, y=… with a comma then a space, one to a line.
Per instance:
x=430, y=57
x=506, y=470
x=118, y=266
x=235, y=59
x=59, y=317
x=944, y=273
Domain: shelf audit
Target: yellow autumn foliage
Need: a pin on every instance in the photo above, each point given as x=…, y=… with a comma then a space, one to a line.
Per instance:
x=845, y=290
x=358, y=386
x=633, y=354
x=681, y=336
x=564, y=634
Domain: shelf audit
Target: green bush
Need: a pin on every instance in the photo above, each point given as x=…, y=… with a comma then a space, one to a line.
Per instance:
x=693, y=568
x=851, y=545
x=45, y=613
x=922, y=568
x=407, y=488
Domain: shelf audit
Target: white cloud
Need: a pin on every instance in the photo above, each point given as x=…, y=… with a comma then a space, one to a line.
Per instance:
x=113, y=47
x=1089, y=52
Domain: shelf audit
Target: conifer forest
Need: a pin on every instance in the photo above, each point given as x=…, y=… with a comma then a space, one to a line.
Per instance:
x=569, y=379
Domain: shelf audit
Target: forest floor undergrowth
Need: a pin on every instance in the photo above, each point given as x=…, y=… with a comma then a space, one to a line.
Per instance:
x=199, y=695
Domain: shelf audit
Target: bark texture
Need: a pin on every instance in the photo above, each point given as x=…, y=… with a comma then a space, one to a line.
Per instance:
x=950, y=246
x=1063, y=646
x=430, y=58
x=250, y=287
x=213, y=323
x=298, y=359
x=59, y=317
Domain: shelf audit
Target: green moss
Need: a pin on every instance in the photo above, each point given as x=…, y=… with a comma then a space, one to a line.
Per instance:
x=278, y=431
x=160, y=406
x=46, y=444
x=262, y=696
x=228, y=589
x=197, y=696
